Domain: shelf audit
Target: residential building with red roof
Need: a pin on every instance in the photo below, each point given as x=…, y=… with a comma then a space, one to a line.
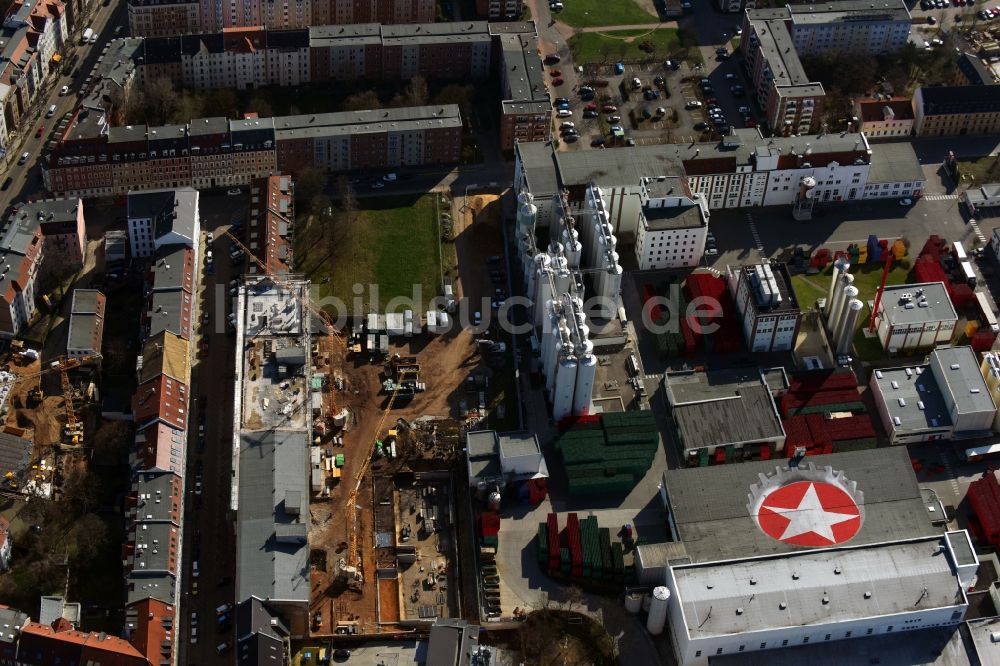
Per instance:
x=44, y=645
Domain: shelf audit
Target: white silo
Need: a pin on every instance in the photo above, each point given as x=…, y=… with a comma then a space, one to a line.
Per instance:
x=585, y=373
x=842, y=265
x=571, y=242
x=850, y=293
x=658, y=610
x=612, y=290
x=633, y=602
x=550, y=341
x=834, y=308
x=850, y=323
x=561, y=275
x=840, y=302
x=562, y=397
x=543, y=292
x=527, y=212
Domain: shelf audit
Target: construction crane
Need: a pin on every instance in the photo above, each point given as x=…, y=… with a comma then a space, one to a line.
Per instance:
x=350, y=568
x=63, y=364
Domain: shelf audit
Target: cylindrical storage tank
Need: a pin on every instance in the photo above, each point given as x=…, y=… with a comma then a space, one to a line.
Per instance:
x=610, y=291
x=633, y=602
x=571, y=243
x=563, y=279
x=527, y=212
x=835, y=308
x=562, y=398
x=839, y=266
x=658, y=610
x=494, y=501
x=850, y=293
x=555, y=249
x=850, y=323
x=550, y=349
x=543, y=295
x=585, y=372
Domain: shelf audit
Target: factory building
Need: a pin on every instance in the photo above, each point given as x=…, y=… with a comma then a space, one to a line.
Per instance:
x=767, y=306
x=778, y=557
x=990, y=369
x=946, y=398
x=673, y=224
x=915, y=316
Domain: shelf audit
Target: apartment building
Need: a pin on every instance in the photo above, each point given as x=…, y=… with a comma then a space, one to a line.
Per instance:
x=161, y=218
x=885, y=119
x=38, y=236
x=272, y=214
x=849, y=26
x=160, y=18
x=957, y=110
x=526, y=106
x=497, y=10
x=792, y=102
x=970, y=70
x=672, y=225
x=766, y=305
x=32, y=33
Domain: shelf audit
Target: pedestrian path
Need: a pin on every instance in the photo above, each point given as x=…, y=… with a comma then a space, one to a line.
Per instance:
x=756, y=236
x=940, y=197
x=978, y=231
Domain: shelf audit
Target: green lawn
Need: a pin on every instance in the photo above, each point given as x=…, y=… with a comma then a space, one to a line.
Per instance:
x=623, y=45
x=981, y=170
x=591, y=13
x=809, y=288
x=394, y=244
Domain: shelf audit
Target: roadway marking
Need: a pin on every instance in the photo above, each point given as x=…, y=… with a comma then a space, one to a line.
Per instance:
x=975, y=228
x=756, y=236
x=940, y=197
x=950, y=471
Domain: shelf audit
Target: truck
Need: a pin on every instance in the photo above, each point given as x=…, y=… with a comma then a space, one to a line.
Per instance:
x=87, y=34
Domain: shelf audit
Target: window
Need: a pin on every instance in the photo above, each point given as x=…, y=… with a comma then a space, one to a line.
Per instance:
x=697, y=654
x=848, y=634
x=763, y=645
x=827, y=637
x=784, y=643
x=719, y=651
x=742, y=647
x=889, y=628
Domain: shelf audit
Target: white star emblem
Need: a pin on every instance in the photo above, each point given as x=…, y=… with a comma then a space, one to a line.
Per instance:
x=811, y=516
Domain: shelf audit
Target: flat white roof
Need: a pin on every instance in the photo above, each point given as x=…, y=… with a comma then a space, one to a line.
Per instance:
x=816, y=587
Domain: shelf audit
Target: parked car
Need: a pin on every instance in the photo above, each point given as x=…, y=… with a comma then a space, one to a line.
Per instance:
x=557, y=82
x=39, y=131
x=599, y=141
x=564, y=113
x=24, y=157
x=609, y=108
x=590, y=113
x=701, y=127
x=552, y=58
x=63, y=91
x=234, y=191
x=693, y=104
x=555, y=72
x=567, y=125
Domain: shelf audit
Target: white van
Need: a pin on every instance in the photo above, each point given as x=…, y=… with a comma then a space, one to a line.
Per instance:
x=51, y=112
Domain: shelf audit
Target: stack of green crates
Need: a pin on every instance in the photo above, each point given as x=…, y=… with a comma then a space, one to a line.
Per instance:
x=609, y=457
x=564, y=561
x=592, y=567
x=490, y=541
x=543, y=544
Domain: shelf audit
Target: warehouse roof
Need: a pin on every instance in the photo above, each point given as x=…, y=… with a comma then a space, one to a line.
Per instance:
x=912, y=396
x=895, y=162
x=962, y=379
x=815, y=587
x=849, y=10
x=689, y=216
x=718, y=525
x=901, y=311
x=523, y=68
x=274, y=496
x=721, y=407
x=947, y=100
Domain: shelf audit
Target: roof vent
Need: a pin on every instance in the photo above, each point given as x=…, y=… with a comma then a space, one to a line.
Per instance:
x=795, y=575
x=837, y=570
x=826, y=600
x=753, y=581
x=868, y=595
x=739, y=611
x=782, y=606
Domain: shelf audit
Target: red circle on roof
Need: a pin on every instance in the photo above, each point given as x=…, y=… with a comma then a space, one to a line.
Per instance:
x=809, y=513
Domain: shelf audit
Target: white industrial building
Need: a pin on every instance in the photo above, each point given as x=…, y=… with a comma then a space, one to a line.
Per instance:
x=498, y=458
x=767, y=306
x=555, y=287
x=673, y=224
x=915, y=316
x=740, y=580
x=943, y=399
x=990, y=369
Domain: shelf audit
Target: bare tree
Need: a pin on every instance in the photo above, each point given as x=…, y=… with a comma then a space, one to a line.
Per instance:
x=222, y=102
x=80, y=489
x=361, y=101
x=260, y=106
x=90, y=536
x=309, y=184
x=416, y=91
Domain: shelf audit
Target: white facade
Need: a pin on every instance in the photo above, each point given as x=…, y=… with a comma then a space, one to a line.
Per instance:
x=807, y=597
x=288, y=67
x=868, y=31
x=742, y=189
x=226, y=69
x=904, y=323
x=835, y=182
x=673, y=240
x=965, y=391
x=990, y=369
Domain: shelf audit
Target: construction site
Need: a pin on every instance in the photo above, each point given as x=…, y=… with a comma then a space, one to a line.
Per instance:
x=45, y=417
x=395, y=398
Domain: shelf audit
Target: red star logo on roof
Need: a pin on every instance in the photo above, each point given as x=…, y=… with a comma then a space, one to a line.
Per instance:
x=809, y=513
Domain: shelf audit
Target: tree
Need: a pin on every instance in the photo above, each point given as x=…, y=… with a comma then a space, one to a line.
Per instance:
x=260, y=106
x=160, y=100
x=308, y=185
x=112, y=440
x=90, y=536
x=416, y=92
x=458, y=94
x=222, y=102
x=186, y=108
x=80, y=489
x=362, y=100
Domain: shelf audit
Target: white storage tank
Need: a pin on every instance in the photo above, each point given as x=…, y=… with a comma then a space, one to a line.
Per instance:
x=585, y=373
x=658, y=610
x=633, y=602
x=835, y=308
x=839, y=266
x=562, y=397
x=571, y=242
x=850, y=293
x=849, y=324
x=527, y=212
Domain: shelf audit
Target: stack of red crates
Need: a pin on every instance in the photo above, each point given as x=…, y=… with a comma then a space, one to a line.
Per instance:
x=928, y=268
x=820, y=259
x=648, y=293
x=793, y=401
x=537, y=490
x=829, y=380
x=984, y=498
x=726, y=339
x=574, y=545
x=553, y=528
x=489, y=524
x=850, y=427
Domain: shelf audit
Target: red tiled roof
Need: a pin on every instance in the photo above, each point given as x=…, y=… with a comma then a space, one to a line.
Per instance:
x=150, y=633
x=42, y=645
x=155, y=452
x=163, y=398
x=871, y=110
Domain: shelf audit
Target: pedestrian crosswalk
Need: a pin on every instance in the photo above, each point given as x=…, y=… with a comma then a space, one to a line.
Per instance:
x=977, y=230
x=756, y=236
x=940, y=197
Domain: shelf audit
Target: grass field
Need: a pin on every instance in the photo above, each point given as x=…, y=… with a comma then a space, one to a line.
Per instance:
x=809, y=288
x=981, y=169
x=590, y=13
x=395, y=245
x=588, y=47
